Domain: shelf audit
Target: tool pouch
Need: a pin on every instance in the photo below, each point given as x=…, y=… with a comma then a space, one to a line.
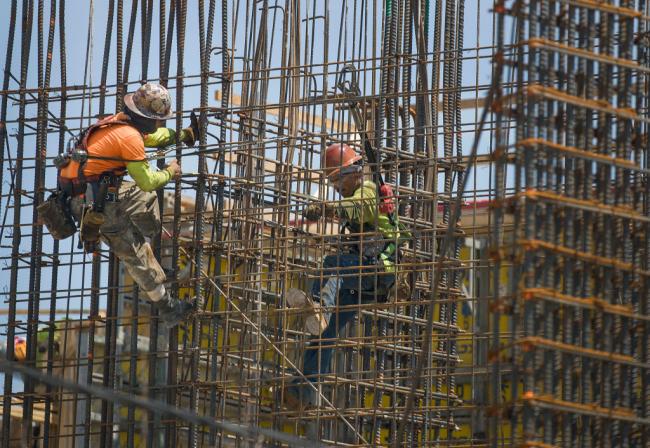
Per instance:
x=90, y=225
x=55, y=214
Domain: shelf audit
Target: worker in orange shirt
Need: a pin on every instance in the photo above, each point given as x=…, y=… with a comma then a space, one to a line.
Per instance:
x=123, y=214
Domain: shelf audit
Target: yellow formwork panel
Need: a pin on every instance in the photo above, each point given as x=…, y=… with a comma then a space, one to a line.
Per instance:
x=465, y=342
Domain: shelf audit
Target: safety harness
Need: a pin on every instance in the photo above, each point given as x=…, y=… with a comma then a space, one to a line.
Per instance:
x=376, y=246
x=377, y=250
x=55, y=213
x=78, y=152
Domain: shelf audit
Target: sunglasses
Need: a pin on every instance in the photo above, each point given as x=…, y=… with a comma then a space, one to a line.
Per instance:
x=345, y=171
x=351, y=169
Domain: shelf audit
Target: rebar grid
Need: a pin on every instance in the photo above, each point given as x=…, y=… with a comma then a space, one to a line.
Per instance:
x=578, y=284
x=440, y=366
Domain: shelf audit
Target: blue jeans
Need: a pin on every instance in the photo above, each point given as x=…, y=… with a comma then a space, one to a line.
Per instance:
x=341, y=278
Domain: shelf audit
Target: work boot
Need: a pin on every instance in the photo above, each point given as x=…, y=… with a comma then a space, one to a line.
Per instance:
x=173, y=311
x=315, y=317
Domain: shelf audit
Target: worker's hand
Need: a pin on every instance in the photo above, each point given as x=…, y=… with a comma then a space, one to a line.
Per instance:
x=175, y=168
x=187, y=136
x=190, y=135
x=314, y=211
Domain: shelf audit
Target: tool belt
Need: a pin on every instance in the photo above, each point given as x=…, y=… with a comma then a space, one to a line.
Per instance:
x=368, y=242
x=77, y=187
x=56, y=214
x=375, y=248
x=400, y=289
x=105, y=189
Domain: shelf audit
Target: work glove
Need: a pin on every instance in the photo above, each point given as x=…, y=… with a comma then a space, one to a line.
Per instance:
x=191, y=134
x=314, y=211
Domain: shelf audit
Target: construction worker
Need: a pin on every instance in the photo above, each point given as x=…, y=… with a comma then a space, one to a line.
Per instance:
x=126, y=215
x=365, y=271
x=20, y=348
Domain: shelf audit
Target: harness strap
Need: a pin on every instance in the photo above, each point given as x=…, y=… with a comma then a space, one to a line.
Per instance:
x=80, y=172
x=108, y=121
x=75, y=187
x=390, y=248
x=115, y=159
x=79, y=184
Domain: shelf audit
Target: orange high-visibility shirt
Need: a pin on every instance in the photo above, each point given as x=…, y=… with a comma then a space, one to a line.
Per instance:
x=117, y=141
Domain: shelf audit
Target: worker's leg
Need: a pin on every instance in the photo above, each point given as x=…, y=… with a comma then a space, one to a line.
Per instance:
x=340, y=286
x=142, y=207
x=318, y=358
x=341, y=272
x=127, y=241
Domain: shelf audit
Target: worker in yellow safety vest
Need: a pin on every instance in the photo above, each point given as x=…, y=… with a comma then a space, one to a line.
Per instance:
x=363, y=270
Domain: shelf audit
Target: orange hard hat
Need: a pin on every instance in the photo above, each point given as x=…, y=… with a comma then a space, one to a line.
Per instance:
x=337, y=156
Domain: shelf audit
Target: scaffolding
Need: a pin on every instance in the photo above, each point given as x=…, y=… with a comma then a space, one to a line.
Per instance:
x=515, y=137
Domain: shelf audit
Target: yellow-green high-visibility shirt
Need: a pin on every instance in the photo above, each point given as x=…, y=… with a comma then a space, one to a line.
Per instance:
x=362, y=209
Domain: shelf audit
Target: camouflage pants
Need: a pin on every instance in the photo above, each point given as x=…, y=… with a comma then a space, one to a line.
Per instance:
x=126, y=224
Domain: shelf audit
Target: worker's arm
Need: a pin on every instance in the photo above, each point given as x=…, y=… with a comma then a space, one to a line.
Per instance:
x=146, y=178
x=351, y=209
x=316, y=210
x=359, y=208
x=165, y=137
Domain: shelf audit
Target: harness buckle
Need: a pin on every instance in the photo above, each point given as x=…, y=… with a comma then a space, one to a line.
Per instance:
x=106, y=178
x=79, y=155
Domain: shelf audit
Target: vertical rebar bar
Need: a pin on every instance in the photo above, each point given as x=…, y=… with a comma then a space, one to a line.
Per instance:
x=27, y=18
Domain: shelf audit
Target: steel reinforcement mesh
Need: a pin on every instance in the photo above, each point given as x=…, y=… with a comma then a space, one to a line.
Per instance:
x=578, y=281
x=514, y=137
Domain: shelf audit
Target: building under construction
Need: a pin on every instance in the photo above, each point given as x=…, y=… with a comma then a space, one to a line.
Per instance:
x=514, y=135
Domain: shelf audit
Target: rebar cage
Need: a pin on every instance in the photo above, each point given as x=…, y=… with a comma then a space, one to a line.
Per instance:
x=514, y=136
